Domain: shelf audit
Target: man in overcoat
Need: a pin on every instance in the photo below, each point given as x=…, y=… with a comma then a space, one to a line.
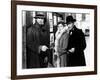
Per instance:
x=76, y=44
x=37, y=43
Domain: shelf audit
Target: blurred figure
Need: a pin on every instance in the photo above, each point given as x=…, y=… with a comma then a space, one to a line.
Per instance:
x=76, y=44
x=37, y=43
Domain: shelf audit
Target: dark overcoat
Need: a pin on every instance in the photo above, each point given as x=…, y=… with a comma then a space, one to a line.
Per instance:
x=36, y=36
x=77, y=41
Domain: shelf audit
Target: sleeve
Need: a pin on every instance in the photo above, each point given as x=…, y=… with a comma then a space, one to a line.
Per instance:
x=80, y=42
x=31, y=41
x=63, y=43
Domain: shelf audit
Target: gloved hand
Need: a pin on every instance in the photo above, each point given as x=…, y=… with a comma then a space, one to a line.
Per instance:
x=72, y=50
x=44, y=48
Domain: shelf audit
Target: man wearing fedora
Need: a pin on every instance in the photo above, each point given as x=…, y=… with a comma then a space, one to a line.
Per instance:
x=37, y=42
x=76, y=44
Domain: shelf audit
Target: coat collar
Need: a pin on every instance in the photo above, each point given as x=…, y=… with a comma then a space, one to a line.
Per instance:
x=39, y=27
x=72, y=30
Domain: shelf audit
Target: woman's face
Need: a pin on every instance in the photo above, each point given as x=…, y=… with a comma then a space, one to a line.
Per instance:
x=60, y=27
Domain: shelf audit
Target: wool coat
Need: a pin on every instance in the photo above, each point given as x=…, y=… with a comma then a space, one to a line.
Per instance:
x=36, y=36
x=77, y=41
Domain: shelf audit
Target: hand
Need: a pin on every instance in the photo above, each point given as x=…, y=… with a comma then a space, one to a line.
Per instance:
x=45, y=59
x=44, y=48
x=72, y=50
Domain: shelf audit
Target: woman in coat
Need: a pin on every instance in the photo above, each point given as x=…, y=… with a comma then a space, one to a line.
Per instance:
x=61, y=43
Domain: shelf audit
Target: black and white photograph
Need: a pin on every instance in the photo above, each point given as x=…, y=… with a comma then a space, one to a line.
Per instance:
x=55, y=40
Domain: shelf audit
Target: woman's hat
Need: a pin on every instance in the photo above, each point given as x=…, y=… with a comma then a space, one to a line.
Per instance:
x=70, y=19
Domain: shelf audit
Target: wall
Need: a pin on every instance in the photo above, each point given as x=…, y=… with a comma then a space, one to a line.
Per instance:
x=5, y=40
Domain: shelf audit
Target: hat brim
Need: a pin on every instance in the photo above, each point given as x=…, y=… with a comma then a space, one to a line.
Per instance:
x=74, y=20
x=41, y=17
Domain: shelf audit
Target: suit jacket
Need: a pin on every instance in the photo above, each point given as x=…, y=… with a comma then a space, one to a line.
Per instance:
x=77, y=41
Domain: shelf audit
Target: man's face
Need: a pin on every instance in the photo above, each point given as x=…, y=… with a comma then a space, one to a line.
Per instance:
x=40, y=21
x=70, y=25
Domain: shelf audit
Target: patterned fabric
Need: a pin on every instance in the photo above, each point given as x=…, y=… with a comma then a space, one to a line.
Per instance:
x=61, y=44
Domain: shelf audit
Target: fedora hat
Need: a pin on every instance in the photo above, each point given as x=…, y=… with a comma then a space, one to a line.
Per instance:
x=39, y=15
x=70, y=19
